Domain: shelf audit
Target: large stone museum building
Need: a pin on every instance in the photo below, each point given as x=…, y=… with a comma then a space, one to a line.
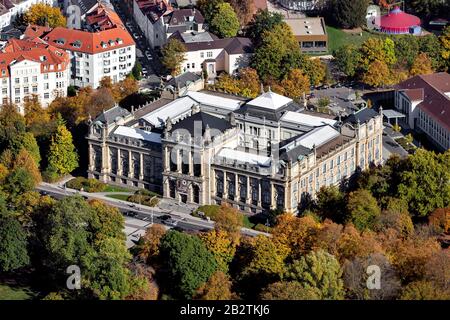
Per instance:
x=208, y=148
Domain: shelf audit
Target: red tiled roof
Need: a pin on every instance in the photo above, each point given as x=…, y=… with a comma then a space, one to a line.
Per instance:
x=89, y=42
x=103, y=18
x=414, y=94
x=46, y=55
x=435, y=101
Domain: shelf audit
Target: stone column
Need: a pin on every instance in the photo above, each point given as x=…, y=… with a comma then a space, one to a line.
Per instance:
x=225, y=185
x=166, y=188
x=179, y=161
x=236, y=188
x=91, y=158
x=248, y=200
x=191, y=163
x=141, y=167
x=259, y=193
x=130, y=164
x=272, y=196
x=119, y=162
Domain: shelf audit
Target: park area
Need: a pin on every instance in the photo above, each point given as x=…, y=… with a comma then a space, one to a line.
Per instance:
x=338, y=38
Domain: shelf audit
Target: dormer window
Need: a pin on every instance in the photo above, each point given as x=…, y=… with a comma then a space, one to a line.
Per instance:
x=119, y=41
x=43, y=58
x=104, y=44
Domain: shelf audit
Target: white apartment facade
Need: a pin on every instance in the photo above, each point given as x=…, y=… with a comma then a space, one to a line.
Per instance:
x=94, y=55
x=44, y=72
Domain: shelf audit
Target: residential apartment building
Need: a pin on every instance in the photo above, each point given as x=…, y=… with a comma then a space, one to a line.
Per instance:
x=149, y=16
x=9, y=9
x=211, y=148
x=33, y=68
x=94, y=55
x=425, y=101
x=206, y=52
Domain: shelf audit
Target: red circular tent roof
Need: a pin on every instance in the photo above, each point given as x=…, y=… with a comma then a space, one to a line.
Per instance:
x=397, y=19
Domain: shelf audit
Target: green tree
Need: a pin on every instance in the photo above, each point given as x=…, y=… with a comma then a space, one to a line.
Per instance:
x=331, y=204
x=189, y=263
x=19, y=181
x=209, y=8
x=105, y=268
x=173, y=56
x=348, y=58
x=137, y=71
x=62, y=157
x=225, y=22
x=363, y=209
x=406, y=49
x=318, y=270
x=431, y=45
x=263, y=21
x=349, y=13
x=289, y=290
x=423, y=290
x=63, y=233
x=13, y=244
x=106, y=222
x=425, y=182
x=278, y=53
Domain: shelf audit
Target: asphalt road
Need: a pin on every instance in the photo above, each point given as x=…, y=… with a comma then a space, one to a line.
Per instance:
x=143, y=213
x=152, y=66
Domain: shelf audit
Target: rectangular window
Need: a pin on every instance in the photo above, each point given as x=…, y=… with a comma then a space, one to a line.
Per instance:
x=46, y=95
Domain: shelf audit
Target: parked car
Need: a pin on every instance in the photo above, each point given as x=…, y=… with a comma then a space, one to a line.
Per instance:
x=136, y=36
x=148, y=55
x=165, y=217
x=171, y=222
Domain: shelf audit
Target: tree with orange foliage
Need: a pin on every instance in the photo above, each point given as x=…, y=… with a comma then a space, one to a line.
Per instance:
x=244, y=10
x=440, y=219
x=421, y=65
x=296, y=84
x=148, y=247
x=218, y=287
x=354, y=243
x=229, y=220
x=298, y=234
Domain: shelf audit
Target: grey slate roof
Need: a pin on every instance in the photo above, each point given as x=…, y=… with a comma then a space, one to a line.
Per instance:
x=193, y=123
x=272, y=115
x=363, y=116
x=112, y=114
x=183, y=79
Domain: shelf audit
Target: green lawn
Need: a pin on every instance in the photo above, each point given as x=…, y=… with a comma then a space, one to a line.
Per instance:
x=338, y=38
x=123, y=197
x=9, y=293
x=110, y=188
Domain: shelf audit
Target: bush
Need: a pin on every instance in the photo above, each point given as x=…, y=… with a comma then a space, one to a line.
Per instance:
x=262, y=227
x=209, y=210
x=88, y=185
x=50, y=176
x=150, y=201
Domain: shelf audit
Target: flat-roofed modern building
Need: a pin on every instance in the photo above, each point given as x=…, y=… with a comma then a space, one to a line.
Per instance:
x=311, y=34
x=210, y=148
